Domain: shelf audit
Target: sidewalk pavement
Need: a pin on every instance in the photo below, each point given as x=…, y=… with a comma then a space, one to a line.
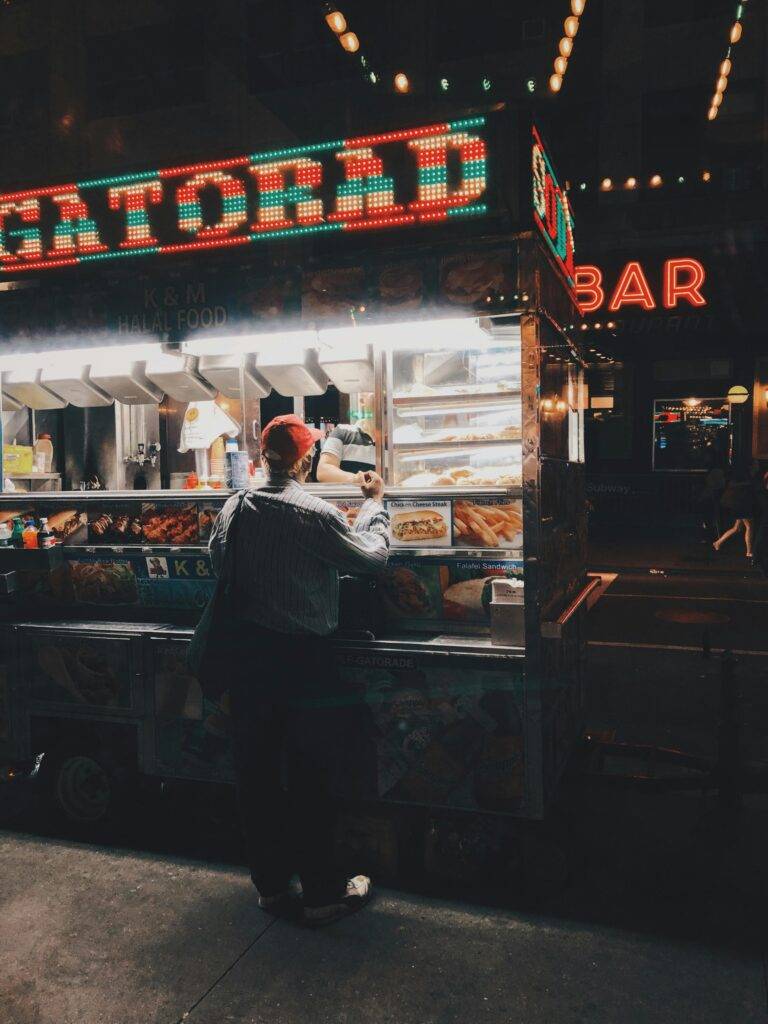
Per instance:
x=91, y=935
x=673, y=554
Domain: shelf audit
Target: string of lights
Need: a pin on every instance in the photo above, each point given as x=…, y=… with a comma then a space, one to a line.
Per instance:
x=721, y=82
x=631, y=184
x=349, y=41
x=401, y=83
x=565, y=46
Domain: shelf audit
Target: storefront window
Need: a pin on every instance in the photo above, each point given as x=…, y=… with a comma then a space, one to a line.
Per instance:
x=690, y=434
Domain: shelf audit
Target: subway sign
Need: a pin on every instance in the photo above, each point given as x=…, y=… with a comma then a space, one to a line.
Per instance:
x=417, y=176
x=680, y=283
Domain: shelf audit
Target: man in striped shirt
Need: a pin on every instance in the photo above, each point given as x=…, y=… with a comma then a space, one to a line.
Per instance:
x=289, y=549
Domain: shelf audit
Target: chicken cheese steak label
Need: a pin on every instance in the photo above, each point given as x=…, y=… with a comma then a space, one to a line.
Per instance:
x=420, y=523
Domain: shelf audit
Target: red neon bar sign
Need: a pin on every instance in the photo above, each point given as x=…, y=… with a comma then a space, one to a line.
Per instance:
x=682, y=281
x=271, y=195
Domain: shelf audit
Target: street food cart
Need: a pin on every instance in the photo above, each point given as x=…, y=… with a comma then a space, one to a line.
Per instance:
x=464, y=658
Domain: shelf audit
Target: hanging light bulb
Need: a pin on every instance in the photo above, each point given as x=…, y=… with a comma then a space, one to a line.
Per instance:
x=577, y=6
x=656, y=181
x=561, y=63
x=712, y=113
x=566, y=47
x=350, y=42
x=401, y=82
x=725, y=67
x=606, y=184
x=571, y=26
x=631, y=183
x=717, y=99
x=336, y=22
x=736, y=30
x=706, y=175
x=722, y=83
x=555, y=82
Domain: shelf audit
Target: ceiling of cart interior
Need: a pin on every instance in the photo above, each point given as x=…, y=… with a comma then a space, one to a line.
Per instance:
x=294, y=363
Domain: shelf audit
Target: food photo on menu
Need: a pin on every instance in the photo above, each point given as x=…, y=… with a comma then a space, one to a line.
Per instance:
x=114, y=524
x=425, y=523
x=488, y=522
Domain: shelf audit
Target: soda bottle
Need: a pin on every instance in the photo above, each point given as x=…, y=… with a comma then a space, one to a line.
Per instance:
x=30, y=535
x=17, y=535
x=45, y=538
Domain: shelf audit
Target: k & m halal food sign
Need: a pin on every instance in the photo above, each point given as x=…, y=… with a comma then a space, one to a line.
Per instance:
x=418, y=176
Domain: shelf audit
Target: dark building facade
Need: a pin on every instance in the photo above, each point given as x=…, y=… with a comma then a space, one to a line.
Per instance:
x=670, y=206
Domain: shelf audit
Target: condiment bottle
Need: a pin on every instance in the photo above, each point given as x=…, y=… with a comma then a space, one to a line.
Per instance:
x=17, y=536
x=30, y=535
x=45, y=445
x=45, y=538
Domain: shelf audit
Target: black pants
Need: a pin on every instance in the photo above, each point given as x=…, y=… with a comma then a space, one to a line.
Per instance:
x=286, y=747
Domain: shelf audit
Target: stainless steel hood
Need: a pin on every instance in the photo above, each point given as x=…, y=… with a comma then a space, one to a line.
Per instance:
x=177, y=375
x=76, y=386
x=223, y=371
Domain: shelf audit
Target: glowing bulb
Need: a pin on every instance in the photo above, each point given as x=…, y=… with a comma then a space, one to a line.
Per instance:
x=530, y=85
x=712, y=113
x=717, y=99
x=583, y=186
x=373, y=77
x=577, y=6
x=585, y=327
x=571, y=26
x=736, y=30
x=598, y=326
x=401, y=82
x=486, y=85
x=555, y=82
x=725, y=67
x=566, y=46
x=706, y=176
x=444, y=84
x=606, y=184
x=631, y=183
x=611, y=324
x=350, y=42
x=656, y=181
x=561, y=63
x=336, y=22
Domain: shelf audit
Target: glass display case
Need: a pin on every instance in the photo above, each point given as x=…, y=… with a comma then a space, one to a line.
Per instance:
x=454, y=410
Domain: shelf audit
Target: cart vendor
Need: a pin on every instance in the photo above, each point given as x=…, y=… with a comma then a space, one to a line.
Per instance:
x=349, y=451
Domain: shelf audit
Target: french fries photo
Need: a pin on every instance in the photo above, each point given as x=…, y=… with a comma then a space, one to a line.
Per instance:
x=486, y=526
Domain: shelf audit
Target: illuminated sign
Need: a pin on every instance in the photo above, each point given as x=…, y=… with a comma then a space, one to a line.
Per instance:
x=551, y=210
x=340, y=185
x=681, y=281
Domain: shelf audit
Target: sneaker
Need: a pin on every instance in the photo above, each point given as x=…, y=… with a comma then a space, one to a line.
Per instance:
x=358, y=892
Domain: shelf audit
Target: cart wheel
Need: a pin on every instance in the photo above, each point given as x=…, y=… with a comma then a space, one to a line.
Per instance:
x=82, y=787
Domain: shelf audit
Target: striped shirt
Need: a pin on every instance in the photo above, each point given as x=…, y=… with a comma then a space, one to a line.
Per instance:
x=291, y=547
x=355, y=450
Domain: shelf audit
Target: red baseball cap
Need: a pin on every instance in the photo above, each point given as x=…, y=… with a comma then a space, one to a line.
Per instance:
x=286, y=439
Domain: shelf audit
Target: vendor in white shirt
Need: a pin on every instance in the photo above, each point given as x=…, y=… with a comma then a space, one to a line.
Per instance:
x=349, y=451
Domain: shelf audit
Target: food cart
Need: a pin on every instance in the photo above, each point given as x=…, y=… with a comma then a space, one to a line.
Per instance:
x=459, y=324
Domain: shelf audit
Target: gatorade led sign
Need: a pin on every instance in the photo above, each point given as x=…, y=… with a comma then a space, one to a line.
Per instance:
x=340, y=185
x=682, y=281
x=551, y=210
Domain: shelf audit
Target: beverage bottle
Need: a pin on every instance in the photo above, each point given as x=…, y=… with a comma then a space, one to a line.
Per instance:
x=45, y=538
x=5, y=535
x=17, y=536
x=30, y=535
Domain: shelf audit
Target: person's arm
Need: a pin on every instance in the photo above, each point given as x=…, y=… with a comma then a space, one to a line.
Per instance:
x=329, y=471
x=364, y=547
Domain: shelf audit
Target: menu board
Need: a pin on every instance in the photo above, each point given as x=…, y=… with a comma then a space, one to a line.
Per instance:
x=690, y=434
